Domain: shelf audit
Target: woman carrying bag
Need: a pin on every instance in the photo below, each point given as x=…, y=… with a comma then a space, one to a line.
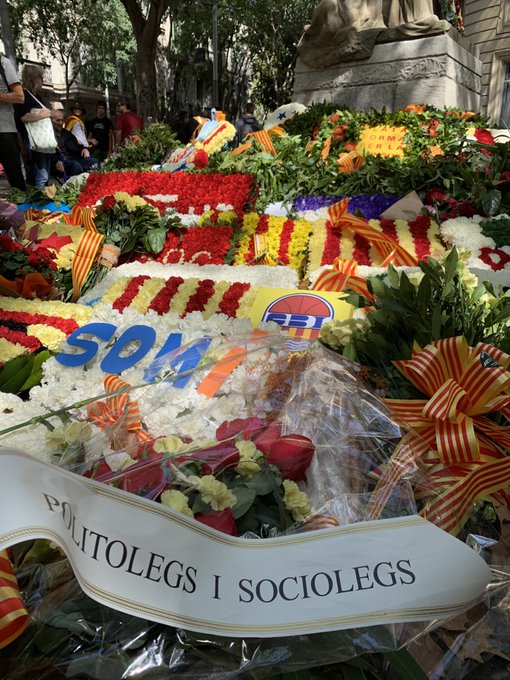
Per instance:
x=34, y=125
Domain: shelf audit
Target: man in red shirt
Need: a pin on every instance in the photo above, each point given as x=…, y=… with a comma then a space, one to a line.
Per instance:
x=127, y=122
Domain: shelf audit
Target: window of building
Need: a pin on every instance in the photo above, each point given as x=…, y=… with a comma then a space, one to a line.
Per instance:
x=505, y=107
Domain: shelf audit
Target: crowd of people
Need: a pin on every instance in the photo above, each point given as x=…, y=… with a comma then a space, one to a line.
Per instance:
x=73, y=144
x=66, y=145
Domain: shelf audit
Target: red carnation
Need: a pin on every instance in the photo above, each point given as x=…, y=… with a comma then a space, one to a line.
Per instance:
x=292, y=454
x=334, y=118
x=221, y=520
x=201, y=159
x=484, y=137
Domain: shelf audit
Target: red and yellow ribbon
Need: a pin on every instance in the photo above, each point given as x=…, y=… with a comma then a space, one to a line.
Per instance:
x=263, y=138
x=389, y=249
x=84, y=259
x=462, y=452
x=13, y=615
x=119, y=413
x=342, y=277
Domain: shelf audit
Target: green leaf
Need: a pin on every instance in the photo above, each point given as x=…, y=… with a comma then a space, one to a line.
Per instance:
x=423, y=296
x=36, y=374
x=450, y=266
x=245, y=498
x=264, y=482
x=15, y=373
x=154, y=240
x=404, y=664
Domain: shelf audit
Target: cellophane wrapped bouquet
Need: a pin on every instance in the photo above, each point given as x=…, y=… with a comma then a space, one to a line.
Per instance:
x=264, y=444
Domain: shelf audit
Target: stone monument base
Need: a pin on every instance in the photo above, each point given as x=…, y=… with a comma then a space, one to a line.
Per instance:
x=436, y=70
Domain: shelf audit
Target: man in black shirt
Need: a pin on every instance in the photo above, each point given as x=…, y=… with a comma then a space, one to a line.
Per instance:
x=100, y=133
x=71, y=158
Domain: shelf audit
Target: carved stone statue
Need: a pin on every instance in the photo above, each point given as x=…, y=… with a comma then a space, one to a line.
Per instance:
x=346, y=30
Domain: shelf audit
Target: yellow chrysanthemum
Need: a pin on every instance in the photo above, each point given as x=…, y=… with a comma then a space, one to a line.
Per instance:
x=296, y=501
x=49, y=337
x=171, y=445
x=177, y=501
x=214, y=492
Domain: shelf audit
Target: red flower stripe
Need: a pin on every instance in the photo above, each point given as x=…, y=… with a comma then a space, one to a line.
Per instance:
x=67, y=326
x=162, y=301
x=193, y=190
x=285, y=236
x=361, y=250
x=331, y=246
x=201, y=297
x=20, y=338
x=230, y=301
x=262, y=228
x=419, y=230
x=130, y=293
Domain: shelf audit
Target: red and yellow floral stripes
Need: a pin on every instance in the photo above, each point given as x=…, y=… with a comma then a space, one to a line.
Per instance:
x=419, y=237
x=29, y=325
x=181, y=296
x=286, y=241
x=198, y=245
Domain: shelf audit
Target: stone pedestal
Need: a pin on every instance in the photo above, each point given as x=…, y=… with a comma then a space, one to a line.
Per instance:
x=439, y=70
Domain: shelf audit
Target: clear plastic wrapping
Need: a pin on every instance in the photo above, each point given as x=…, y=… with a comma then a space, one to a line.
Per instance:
x=271, y=422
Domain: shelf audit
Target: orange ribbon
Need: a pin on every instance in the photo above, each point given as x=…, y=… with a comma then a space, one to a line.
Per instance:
x=349, y=161
x=263, y=138
x=389, y=249
x=84, y=258
x=13, y=615
x=462, y=451
x=343, y=277
x=260, y=247
x=119, y=414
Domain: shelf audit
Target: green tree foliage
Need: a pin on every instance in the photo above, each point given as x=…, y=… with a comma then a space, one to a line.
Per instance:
x=88, y=38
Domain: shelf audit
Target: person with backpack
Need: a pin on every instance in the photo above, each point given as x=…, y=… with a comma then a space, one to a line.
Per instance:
x=246, y=123
x=11, y=92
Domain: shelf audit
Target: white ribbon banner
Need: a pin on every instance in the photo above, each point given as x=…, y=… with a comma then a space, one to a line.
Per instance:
x=145, y=559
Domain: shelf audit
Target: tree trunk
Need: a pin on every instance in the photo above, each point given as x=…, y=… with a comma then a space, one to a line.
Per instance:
x=146, y=81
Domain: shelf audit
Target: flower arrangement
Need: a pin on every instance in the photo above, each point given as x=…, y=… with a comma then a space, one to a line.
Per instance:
x=199, y=245
x=180, y=296
x=27, y=271
x=419, y=237
x=485, y=240
x=273, y=240
x=188, y=194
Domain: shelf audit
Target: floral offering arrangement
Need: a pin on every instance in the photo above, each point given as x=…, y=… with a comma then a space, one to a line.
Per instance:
x=188, y=194
x=486, y=240
x=272, y=240
x=419, y=237
x=180, y=296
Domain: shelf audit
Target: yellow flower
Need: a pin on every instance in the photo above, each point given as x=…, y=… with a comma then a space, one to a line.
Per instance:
x=170, y=445
x=50, y=337
x=296, y=501
x=11, y=350
x=336, y=334
x=214, y=492
x=72, y=433
x=146, y=294
x=177, y=501
x=248, y=454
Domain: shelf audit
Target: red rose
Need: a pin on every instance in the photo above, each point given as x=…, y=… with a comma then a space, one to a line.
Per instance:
x=221, y=520
x=334, y=118
x=145, y=477
x=265, y=439
x=108, y=202
x=436, y=196
x=292, y=454
x=233, y=428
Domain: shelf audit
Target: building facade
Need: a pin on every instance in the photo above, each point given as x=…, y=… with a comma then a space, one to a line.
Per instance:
x=487, y=27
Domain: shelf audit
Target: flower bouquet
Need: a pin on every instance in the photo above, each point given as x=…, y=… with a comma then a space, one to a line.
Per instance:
x=274, y=446
x=27, y=271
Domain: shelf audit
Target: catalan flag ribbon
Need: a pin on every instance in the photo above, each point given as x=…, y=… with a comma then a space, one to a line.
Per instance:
x=82, y=217
x=118, y=410
x=463, y=451
x=263, y=138
x=13, y=615
x=84, y=259
x=389, y=249
x=260, y=247
x=342, y=277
